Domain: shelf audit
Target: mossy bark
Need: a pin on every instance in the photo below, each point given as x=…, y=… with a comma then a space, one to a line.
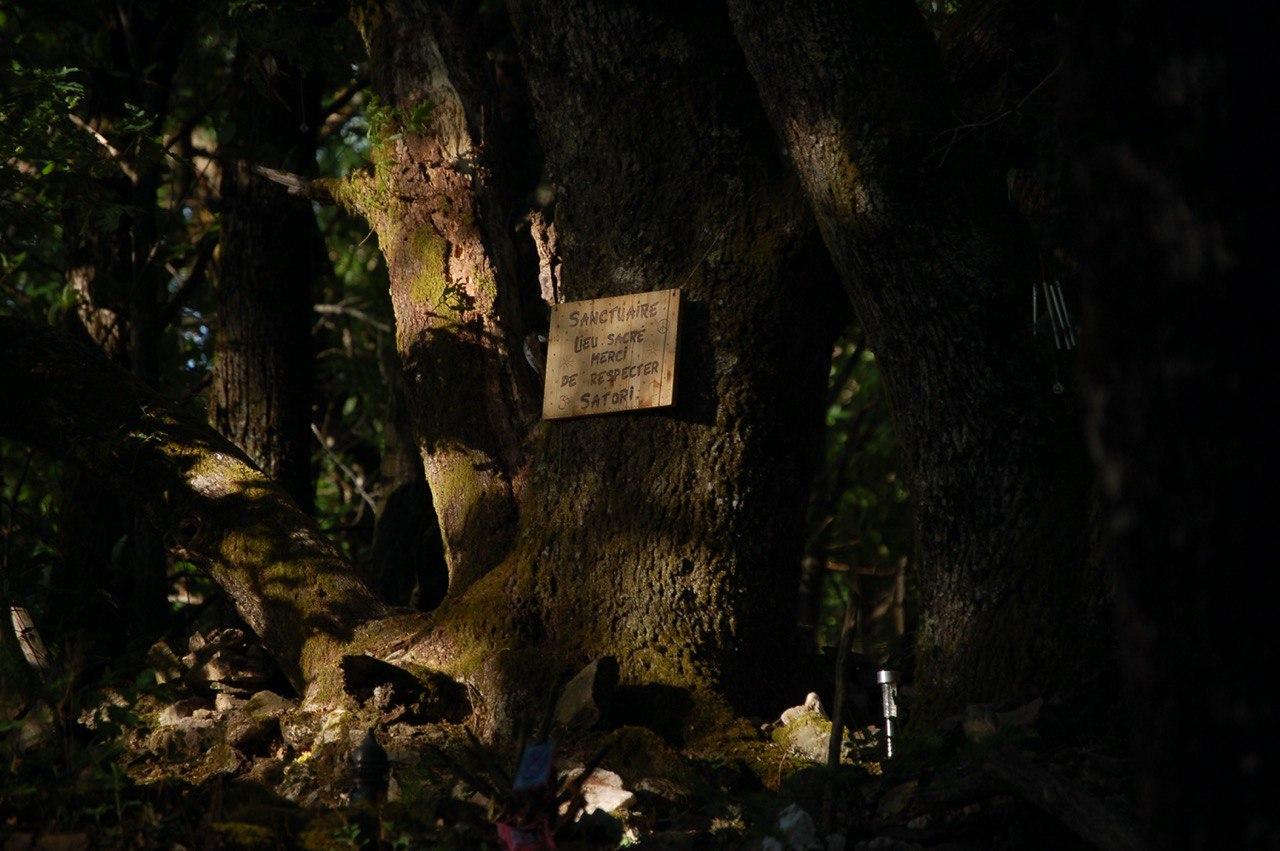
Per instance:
x=431, y=200
x=938, y=266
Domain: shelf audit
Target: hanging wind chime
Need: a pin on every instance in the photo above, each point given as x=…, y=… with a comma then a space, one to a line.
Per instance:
x=1049, y=307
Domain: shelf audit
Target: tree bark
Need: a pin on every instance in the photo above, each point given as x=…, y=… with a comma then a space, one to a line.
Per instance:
x=270, y=257
x=938, y=267
x=434, y=201
x=1174, y=190
x=671, y=539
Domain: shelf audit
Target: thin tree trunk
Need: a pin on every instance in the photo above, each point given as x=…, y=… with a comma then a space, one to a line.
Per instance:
x=938, y=268
x=270, y=258
x=435, y=201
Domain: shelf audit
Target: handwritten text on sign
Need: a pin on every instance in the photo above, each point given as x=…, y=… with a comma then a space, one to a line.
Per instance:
x=611, y=354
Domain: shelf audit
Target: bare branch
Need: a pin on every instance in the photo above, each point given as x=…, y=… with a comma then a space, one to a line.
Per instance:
x=341, y=309
x=127, y=168
x=297, y=185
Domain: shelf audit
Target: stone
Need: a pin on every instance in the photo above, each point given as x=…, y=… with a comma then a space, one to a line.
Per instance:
x=36, y=728
x=602, y=790
x=897, y=798
x=268, y=771
x=184, y=737
x=811, y=704
x=221, y=661
x=979, y=722
x=299, y=728
x=336, y=727
x=227, y=668
x=253, y=734
x=599, y=828
x=584, y=702
x=663, y=789
x=420, y=696
x=98, y=708
x=225, y=701
x=887, y=843
x=1023, y=716
x=797, y=829
x=186, y=708
x=808, y=735
x=162, y=659
x=268, y=703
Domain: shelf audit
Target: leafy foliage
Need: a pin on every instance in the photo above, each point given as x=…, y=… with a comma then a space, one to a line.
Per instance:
x=860, y=522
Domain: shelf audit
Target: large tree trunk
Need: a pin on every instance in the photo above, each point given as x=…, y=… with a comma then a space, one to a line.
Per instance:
x=270, y=258
x=1175, y=198
x=938, y=268
x=669, y=539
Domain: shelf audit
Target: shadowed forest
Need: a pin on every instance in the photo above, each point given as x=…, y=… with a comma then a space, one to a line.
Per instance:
x=535, y=424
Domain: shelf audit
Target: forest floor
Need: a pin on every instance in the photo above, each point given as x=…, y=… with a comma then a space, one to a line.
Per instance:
x=211, y=757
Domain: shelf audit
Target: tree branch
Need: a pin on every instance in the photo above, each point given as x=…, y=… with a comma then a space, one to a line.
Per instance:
x=194, y=278
x=297, y=185
x=125, y=167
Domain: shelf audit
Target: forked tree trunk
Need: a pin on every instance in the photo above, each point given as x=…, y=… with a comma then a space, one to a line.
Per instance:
x=270, y=257
x=939, y=270
x=669, y=539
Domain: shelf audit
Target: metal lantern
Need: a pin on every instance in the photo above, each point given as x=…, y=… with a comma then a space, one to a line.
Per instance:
x=888, y=681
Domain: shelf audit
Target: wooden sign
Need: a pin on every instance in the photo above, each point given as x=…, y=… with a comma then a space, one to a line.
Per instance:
x=611, y=354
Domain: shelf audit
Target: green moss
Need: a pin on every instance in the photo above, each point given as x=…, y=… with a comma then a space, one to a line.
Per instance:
x=486, y=286
x=428, y=285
